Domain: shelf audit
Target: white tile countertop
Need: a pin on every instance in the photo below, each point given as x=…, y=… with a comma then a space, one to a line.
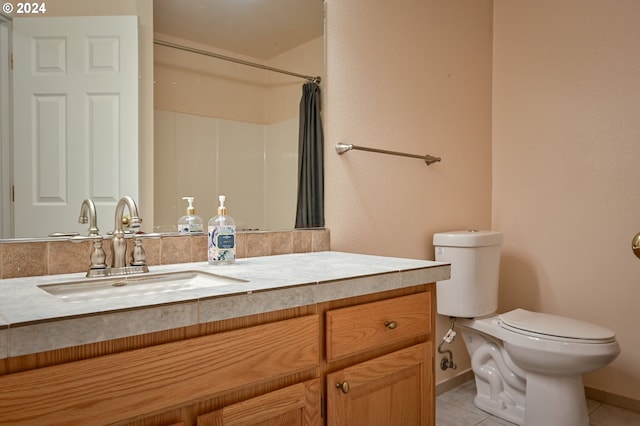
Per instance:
x=33, y=320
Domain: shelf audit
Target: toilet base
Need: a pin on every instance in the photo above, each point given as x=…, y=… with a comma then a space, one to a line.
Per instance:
x=555, y=401
x=500, y=385
x=511, y=413
x=524, y=397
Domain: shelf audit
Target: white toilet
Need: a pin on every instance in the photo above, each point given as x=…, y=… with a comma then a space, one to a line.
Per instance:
x=528, y=366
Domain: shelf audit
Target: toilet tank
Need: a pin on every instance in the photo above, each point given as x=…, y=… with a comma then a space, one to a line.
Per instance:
x=472, y=290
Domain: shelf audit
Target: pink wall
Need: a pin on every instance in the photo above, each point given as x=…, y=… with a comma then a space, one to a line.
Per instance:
x=412, y=76
x=560, y=179
x=566, y=146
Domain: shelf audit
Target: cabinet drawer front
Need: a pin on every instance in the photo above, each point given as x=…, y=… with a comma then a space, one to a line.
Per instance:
x=359, y=328
x=116, y=387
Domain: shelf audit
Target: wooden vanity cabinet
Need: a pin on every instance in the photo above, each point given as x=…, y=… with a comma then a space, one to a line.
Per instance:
x=365, y=360
x=168, y=383
x=395, y=388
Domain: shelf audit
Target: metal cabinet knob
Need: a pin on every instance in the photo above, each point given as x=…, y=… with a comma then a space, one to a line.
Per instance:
x=391, y=325
x=344, y=386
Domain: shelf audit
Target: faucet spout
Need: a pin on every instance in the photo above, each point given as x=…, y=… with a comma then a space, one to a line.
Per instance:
x=88, y=207
x=118, y=244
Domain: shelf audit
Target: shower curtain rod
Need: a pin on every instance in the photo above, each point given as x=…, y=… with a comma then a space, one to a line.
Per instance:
x=341, y=148
x=312, y=79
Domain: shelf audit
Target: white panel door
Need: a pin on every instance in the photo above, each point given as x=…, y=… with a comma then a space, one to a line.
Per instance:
x=5, y=135
x=75, y=106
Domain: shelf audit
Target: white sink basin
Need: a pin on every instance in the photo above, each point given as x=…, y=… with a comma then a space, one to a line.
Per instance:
x=136, y=285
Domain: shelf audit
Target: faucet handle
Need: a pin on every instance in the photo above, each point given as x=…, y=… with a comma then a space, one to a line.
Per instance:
x=137, y=254
x=98, y=256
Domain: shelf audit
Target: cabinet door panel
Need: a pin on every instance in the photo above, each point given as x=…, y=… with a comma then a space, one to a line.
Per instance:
x=131, y=384
x=386, y=391
x=298, y=404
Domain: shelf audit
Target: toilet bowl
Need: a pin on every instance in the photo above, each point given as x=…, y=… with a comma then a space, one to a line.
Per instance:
x=527, y=365
x=516, y=367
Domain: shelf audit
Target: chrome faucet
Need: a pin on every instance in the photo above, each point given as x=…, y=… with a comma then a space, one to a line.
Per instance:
x=88, y=206
x=118, y=244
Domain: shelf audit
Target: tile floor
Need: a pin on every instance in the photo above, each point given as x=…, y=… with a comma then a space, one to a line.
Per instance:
x=455, y=408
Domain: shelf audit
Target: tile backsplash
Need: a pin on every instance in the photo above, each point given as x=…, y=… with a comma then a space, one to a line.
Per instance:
x=32, y=258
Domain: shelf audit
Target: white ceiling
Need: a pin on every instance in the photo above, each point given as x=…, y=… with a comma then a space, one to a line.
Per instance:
x=256, y=28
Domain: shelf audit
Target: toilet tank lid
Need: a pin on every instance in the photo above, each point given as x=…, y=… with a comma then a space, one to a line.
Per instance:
x=555, y=326
x=468, y=238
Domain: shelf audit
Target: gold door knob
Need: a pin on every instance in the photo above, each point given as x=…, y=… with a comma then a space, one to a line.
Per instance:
x=391, y=325
x=635, y=244
x=344, y=386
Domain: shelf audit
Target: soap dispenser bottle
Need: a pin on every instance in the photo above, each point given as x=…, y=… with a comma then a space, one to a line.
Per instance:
x=222, y=237
x=190, y=223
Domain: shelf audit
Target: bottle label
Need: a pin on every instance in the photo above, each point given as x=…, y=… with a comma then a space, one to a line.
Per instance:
x=189, y=228
x=226, y=241
x=222, y=244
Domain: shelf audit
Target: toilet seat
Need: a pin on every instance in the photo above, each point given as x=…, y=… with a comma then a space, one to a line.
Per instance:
x=554, y=327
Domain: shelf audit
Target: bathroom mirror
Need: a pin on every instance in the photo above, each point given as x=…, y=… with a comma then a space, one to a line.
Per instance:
x=233, y=32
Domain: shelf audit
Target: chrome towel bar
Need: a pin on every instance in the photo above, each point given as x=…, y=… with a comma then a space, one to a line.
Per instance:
x=341, y=148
